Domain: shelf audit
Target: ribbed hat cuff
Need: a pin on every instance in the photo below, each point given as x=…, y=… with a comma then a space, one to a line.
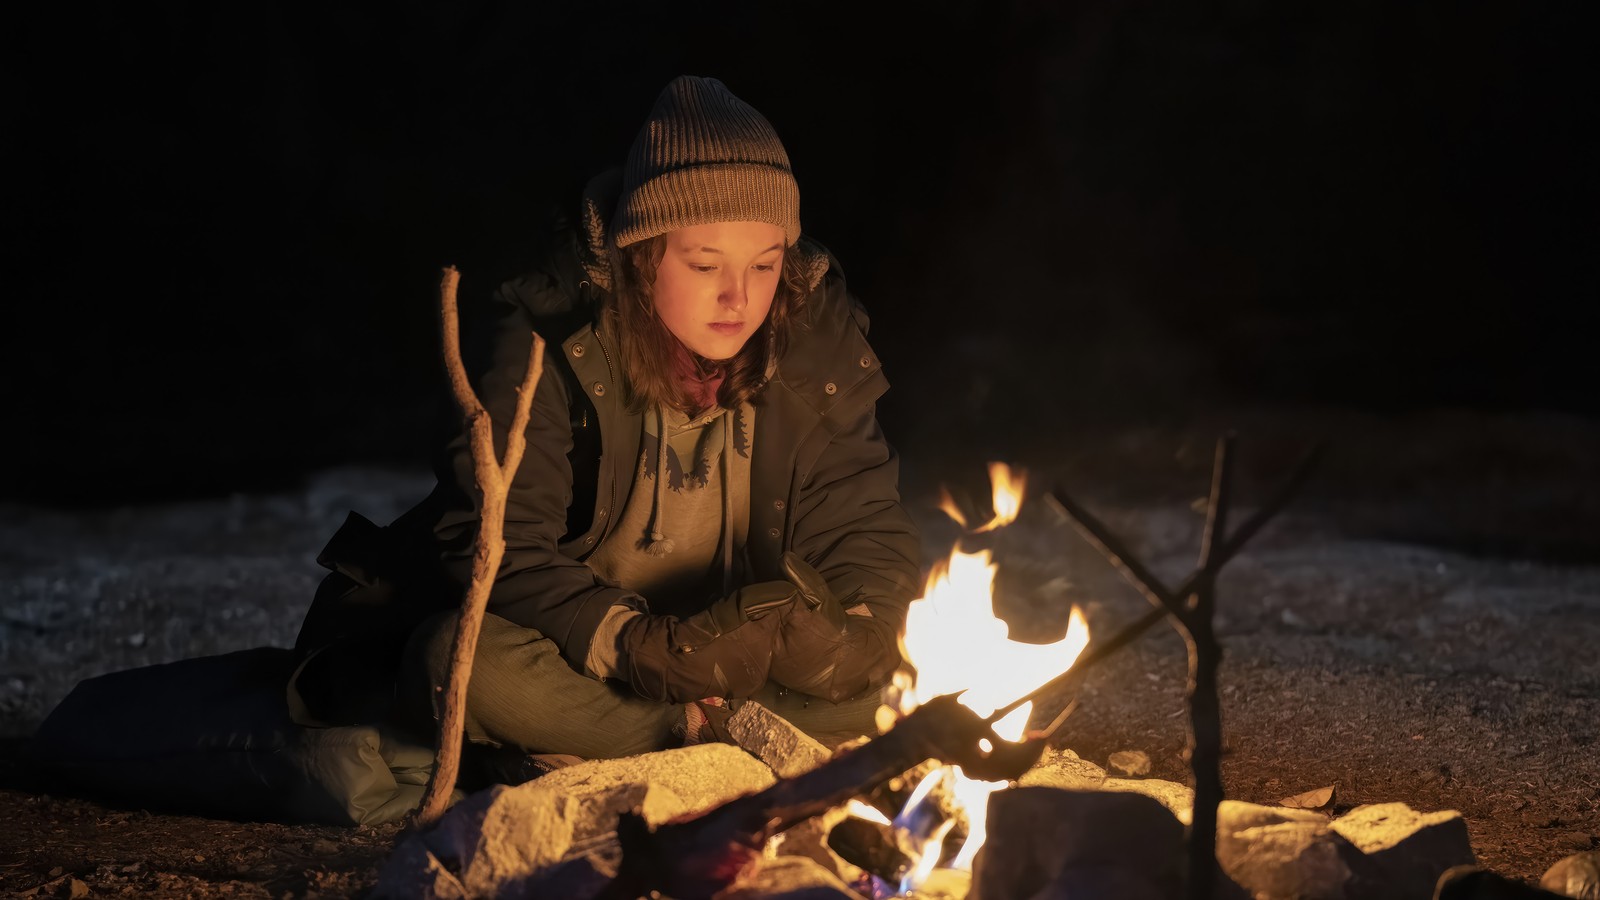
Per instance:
x=716, y=192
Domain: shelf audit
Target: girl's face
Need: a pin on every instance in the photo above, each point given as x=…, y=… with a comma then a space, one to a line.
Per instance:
x=715, y=283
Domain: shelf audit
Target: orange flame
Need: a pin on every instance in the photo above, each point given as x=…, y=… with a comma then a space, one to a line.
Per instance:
x=957, y=643
x=1007, y=486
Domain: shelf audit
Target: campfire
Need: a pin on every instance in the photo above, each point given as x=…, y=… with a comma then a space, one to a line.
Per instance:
x=773, y=816
x=954, y=781
x=956, y=644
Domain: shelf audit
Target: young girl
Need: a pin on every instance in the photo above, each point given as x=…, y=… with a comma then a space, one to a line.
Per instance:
x=706, y=510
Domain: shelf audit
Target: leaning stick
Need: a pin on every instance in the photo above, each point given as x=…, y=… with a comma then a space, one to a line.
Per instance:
x=494, y=483
x=1101, y=538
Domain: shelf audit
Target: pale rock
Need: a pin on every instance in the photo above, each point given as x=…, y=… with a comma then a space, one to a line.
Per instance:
x=1131, y=762
x=501, y=834
x=1380, y=852
x=65, y=886
x=1576, y=876
x=498, y=842
x=787, y=878
x=1279, y=854
x=506, y=840
x=701, y=777
x=1063, y=769
x=1038, y=836
x=1179, y=798
x=1238, y=815
x=776, y=741
x=1403, y=852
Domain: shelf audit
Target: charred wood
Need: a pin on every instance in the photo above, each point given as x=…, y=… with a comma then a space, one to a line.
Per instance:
x=696, y=857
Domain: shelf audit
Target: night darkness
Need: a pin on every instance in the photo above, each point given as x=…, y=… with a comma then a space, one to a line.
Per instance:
x=226, y=221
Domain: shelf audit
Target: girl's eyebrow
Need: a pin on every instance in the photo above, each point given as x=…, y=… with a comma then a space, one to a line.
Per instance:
x=719, y=252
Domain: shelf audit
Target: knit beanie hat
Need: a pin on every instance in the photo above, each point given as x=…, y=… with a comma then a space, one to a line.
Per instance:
x=704, y=156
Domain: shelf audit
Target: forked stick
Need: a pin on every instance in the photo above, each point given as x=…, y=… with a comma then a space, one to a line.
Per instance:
x=1098, y=535
x=1192, y=607
x=494, y=482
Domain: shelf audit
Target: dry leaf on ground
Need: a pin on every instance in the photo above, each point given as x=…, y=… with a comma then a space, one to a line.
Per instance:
x=1317, y=799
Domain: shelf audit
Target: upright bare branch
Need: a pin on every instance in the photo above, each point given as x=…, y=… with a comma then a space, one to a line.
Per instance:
x=1205, y=708
x=1191, y=607
x=494, y=483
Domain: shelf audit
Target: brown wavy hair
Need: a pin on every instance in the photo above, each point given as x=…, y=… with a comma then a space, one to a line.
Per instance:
x=649, y=350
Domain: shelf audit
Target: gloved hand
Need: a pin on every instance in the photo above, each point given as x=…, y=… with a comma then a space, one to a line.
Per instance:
x=723, y=651
x=824, y=651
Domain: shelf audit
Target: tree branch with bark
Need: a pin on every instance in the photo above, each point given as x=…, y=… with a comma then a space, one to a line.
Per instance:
x=494, y=478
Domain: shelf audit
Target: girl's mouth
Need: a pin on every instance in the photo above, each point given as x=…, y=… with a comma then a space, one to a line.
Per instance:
x=727, y=327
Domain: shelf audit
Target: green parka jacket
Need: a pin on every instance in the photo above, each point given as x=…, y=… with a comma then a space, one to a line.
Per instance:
x=823, y=480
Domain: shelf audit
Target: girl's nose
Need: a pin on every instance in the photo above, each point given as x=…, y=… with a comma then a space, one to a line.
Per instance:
x=733, y=294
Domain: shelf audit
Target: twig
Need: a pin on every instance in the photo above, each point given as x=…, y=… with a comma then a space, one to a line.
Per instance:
x=494, y=482
x=1229, y=548
x=1061, y=718
x=1101, y=538
x=1297, y=478
x=1097, y=534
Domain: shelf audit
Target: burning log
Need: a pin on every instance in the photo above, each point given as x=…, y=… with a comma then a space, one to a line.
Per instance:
x=494, y=482
x=870, y=846
x=699, y=856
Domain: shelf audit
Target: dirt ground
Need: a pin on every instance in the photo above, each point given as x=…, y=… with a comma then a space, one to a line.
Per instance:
x=1419, y=626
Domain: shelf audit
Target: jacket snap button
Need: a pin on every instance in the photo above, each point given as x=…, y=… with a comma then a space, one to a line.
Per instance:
x=777, y=505
x=830, y=388
x=866, y=361
x=589, y=539
x=772, y=532
x=577, y=350
x=600, y=389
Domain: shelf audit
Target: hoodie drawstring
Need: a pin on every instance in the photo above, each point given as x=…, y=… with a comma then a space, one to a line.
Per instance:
x=659, y=544
x=727, y=503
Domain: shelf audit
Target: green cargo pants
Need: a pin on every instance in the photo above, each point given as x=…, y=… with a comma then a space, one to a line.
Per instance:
x=524, y=694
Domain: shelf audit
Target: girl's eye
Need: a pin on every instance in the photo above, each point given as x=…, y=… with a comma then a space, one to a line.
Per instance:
x=766, y=267
x=702, y=268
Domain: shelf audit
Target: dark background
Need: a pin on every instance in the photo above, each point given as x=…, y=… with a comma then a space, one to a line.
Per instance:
x=226, y=223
